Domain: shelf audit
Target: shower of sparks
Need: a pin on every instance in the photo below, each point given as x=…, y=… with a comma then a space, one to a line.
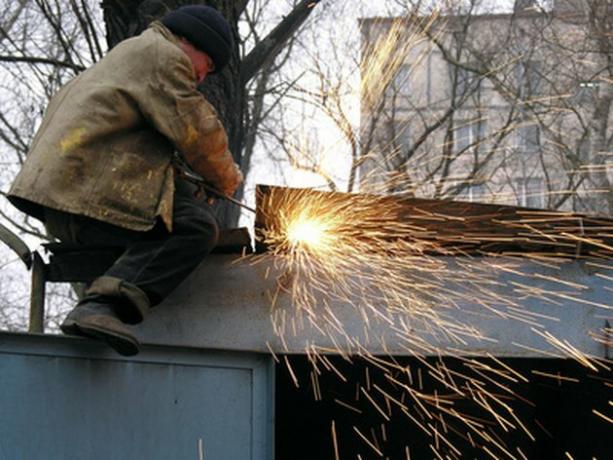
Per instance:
x=357, y=256
x=344, y=257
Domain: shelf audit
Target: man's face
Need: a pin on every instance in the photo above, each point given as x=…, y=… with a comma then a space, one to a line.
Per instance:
x=201, y=62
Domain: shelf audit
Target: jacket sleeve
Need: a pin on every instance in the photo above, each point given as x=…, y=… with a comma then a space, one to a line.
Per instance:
x=172, y=103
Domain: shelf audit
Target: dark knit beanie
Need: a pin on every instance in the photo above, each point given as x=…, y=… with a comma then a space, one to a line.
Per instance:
x=205, y=28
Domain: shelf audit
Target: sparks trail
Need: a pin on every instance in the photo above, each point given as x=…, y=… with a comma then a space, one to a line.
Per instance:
x=361, y=258
x=362, y=250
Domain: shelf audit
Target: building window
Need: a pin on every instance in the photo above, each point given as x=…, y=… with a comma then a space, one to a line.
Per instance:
x=585, y=147
x=398, y=141
x=468, y=136
x=531, y=192
x=587, y=92
x=529, y=78
x=403, y=136
x=459, y=38
x=401, y=83
x=476, y=192
x=468, y=83
x=529, y=138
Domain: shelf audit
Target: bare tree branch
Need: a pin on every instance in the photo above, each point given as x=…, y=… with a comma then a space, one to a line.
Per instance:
x=43, y=60
x=268, y=48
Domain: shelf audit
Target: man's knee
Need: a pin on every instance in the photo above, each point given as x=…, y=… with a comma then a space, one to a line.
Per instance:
x=194, y=217
x=208, y=236
x=200, y=225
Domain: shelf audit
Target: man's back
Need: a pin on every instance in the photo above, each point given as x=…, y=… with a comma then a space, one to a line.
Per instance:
x=103, y=149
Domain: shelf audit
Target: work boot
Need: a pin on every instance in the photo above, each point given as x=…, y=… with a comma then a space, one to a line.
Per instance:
x=99, y=321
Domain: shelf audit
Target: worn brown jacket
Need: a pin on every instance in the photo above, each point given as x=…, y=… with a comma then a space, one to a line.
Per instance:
x=106, y=142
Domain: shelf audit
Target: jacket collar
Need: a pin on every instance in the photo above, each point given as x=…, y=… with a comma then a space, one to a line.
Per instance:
x=157, y=26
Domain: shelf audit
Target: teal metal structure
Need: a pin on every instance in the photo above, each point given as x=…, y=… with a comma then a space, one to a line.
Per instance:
x=69, y=398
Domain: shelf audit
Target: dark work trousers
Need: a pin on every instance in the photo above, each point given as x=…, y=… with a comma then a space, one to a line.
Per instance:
x=154, y=262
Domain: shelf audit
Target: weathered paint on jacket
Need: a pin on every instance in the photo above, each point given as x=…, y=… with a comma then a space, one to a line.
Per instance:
x=105, y=145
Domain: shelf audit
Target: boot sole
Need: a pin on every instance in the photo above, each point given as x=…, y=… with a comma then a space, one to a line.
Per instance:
x=70, y=328
x=125, y=346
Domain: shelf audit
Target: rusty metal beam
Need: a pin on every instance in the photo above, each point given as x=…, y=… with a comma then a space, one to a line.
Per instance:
x=456, y=227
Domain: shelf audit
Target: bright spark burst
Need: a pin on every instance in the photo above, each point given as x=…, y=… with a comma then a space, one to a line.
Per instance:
x=358, y=251
x=311, y=233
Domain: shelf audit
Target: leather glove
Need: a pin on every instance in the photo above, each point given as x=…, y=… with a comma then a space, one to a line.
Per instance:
x=233, y=182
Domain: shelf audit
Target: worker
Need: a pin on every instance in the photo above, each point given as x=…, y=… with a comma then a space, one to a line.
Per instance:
x=100, y=169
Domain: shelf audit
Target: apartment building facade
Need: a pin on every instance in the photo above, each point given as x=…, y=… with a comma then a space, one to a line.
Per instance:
x=504, y=108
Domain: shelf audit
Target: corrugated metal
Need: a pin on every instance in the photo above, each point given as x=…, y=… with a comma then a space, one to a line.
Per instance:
x=67, y=398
